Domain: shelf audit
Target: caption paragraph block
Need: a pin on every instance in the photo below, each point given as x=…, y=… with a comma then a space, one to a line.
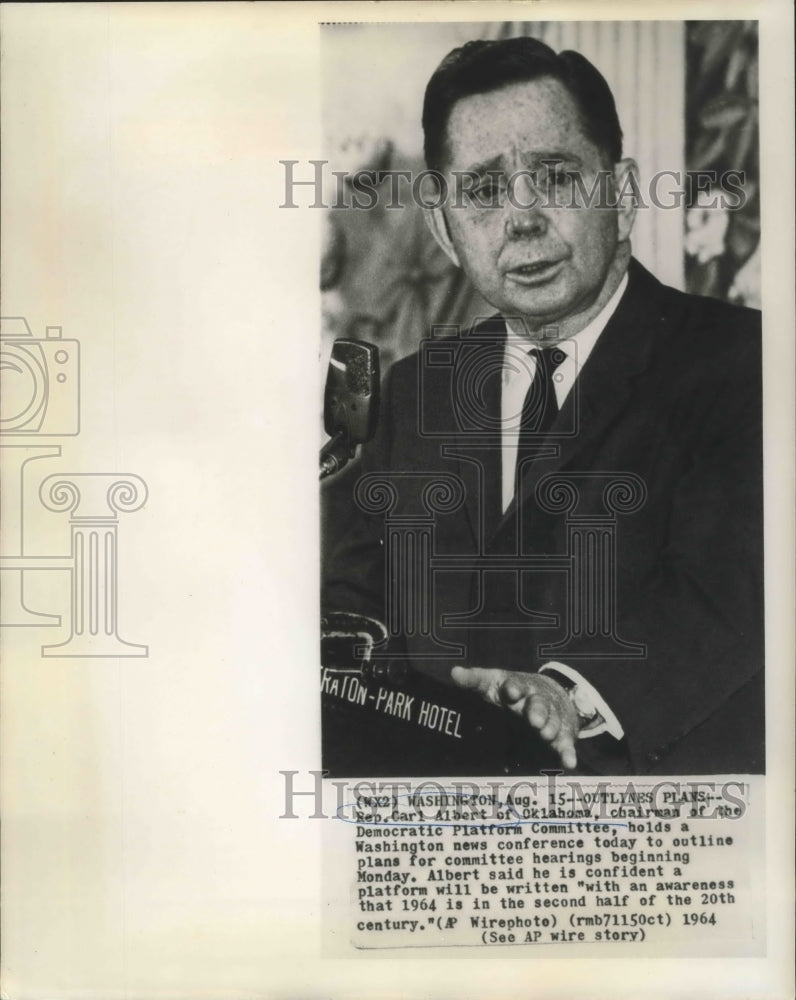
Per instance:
x=667, y=865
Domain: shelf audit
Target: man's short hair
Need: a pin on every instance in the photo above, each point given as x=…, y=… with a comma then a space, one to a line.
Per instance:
x=479, y=67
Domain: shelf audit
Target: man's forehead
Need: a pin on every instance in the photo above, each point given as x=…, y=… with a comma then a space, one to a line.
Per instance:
x=520, y=124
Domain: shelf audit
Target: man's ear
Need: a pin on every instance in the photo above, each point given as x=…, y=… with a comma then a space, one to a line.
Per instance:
x=438, y=224
x=628, y=194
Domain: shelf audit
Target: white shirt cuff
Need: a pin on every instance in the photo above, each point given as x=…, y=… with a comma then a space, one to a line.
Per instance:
x=588, y=695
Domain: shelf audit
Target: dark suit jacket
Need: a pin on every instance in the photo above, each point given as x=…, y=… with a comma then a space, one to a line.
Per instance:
x=668, y=406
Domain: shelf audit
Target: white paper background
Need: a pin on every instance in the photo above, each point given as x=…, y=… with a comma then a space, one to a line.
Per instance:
x=142, y=853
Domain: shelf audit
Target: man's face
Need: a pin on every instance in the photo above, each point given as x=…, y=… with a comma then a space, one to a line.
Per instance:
x=547, y=263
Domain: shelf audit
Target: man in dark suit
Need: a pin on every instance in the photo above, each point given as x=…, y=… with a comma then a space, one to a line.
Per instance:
x=592, y=457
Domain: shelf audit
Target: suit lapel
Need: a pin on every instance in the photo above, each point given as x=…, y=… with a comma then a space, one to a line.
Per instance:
x=602, y=388
x=476, y=392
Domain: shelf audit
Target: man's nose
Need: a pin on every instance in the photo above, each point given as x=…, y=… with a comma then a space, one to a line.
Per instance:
x=524, y=216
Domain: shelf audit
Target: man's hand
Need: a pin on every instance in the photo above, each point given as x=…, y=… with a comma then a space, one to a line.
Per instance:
x=540, y=700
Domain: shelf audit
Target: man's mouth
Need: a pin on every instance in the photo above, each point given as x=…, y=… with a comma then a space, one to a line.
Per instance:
x=535, y=273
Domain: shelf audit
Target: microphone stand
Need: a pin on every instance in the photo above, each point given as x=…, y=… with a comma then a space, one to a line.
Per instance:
x=335, y=454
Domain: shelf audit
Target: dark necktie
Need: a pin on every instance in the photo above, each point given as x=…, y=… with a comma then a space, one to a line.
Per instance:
x=540, y=408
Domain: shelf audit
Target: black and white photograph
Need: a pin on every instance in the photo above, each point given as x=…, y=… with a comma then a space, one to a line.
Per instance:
x=541, y=313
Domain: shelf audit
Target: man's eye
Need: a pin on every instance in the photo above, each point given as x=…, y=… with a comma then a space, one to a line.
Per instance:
x=487, y=194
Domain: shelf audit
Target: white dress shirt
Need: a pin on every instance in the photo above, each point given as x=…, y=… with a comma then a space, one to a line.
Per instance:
x=519, y=368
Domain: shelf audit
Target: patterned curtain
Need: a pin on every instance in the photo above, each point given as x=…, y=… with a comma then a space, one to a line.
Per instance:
x=723, y=245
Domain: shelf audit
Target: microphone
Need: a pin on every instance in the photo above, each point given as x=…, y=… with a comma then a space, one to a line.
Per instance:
x=347, y=641
x=350, y=402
